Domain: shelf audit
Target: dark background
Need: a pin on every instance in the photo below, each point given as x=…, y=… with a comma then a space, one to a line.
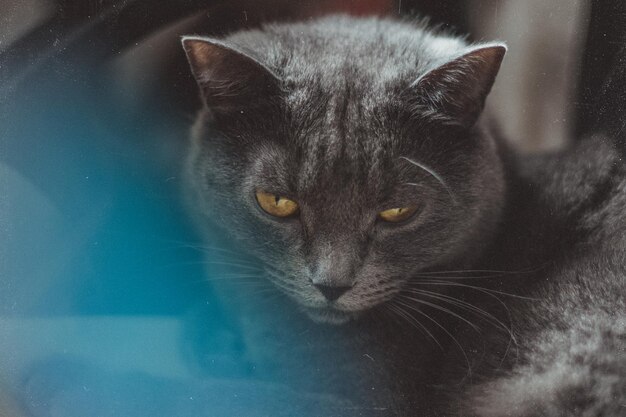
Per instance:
x=92, y=32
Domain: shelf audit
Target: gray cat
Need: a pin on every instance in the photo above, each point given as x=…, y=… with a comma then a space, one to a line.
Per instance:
x=349, y=156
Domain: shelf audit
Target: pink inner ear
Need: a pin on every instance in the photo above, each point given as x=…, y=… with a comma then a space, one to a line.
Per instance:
x=198, y=52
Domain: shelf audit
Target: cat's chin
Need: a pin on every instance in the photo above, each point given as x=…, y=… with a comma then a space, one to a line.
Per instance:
x=329, y=316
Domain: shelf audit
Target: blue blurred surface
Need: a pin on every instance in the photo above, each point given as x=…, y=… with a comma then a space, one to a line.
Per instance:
x=104, y=304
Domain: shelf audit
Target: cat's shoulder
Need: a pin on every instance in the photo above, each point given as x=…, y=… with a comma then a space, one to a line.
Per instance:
x=590, y=167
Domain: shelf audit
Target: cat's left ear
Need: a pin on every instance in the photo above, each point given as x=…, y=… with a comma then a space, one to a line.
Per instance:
x=231, y=81
x=457, y=89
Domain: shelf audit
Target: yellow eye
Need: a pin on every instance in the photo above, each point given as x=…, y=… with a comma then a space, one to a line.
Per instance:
x=397, y=215
x=276, y=205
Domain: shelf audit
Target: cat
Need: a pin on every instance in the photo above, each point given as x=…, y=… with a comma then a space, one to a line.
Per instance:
x=350, y=156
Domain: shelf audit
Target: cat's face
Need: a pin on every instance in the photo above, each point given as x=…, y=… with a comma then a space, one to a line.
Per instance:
x=345, y=185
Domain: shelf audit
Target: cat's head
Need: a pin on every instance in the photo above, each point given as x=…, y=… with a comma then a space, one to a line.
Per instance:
x=346, y=158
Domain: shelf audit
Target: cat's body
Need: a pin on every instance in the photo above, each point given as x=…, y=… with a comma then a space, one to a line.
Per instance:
x=565, y=232
x=350, y=117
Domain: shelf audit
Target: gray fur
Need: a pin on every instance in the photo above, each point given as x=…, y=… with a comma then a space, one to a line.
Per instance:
x=339, y=145
x=353, y=116
x=571, y=359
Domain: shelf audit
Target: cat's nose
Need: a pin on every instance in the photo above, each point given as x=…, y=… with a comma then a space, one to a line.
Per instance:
x=331, y=292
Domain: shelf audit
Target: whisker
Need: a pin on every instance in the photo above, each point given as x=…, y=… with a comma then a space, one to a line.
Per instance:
x=433, y=174
x=215, y=249
x=461, y=304
x=232, y=277
x=495, y=271
x=264, y=290
x=442, y=276
x=417, y=310
x=225, y=257
x=481, y=289
x=199, y=246
x=440, y=308
x=289, y=288
x=413, y=322
x=476, y=310
x=512, y=338
x=233, y=280
x=492, y=272
x=233, y=264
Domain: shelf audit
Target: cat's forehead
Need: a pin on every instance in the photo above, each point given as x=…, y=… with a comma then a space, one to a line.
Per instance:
x=336, y=137
x=336, y=86
x=334, y=165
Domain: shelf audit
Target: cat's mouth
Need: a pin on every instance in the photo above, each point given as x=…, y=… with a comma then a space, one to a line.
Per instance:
x=329, y=315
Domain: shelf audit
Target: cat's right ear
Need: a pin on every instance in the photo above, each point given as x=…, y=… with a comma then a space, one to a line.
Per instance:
x=456, y=90
x=230, y=80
